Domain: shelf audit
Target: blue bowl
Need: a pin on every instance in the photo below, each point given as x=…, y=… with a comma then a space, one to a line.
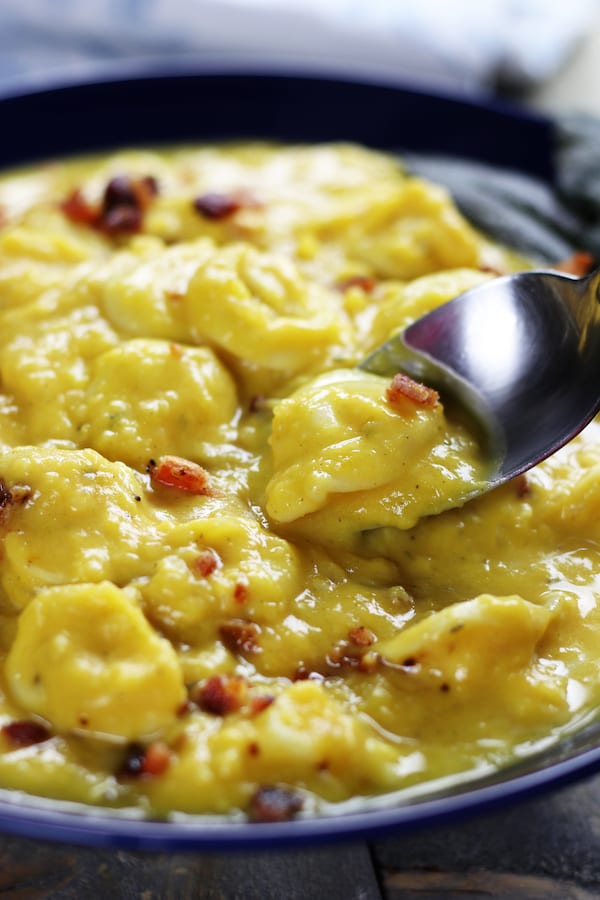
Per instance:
x=169, y=106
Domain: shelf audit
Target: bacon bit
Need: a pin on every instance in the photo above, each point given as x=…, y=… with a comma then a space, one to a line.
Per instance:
x=338, y=657
x=205, y=563
x=522, y=485
x=176, y=472
x=257, y=403
x=156, y=759
x=221, y=694
x=184, y=709
x=217, y=206
x=258, y=704
x=351, y=654
x=254, y=748
x=124, y=191
x=493, y=270
x=174, y=296
x=24, y=733
x=240, y=636
x=78, y=210
x=301, y=673
x=121, y=220
x=404, y=388
x=365, y=282
x=6, y=502
x=150, y=761
x=361, y=636
x=274, y=804
x=121, y=211
x=241, y=591
x=580, y=263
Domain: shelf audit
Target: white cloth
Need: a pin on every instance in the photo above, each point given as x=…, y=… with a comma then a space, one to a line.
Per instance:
x=461, y=45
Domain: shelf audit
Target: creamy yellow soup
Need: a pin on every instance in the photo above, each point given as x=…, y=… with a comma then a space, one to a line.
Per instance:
x=222, y=588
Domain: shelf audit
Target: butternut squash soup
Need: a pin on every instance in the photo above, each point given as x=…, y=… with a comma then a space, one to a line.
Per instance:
x=222, y=588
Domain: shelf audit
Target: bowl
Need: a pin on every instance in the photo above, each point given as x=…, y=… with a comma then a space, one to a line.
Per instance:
x=138, y=107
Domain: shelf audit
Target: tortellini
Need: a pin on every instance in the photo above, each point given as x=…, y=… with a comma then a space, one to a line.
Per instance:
x=232, y=567
x=86, y=659
x=148, y=398
x=347, y=459
x=259, y=308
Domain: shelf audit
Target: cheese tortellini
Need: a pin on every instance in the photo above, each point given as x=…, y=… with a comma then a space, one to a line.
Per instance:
x=124, y=680
x=238, y=574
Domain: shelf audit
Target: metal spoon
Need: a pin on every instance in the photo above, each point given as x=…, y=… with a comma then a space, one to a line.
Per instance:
x=520, y=353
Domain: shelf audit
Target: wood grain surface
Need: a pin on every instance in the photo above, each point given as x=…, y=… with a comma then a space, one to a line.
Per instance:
x=548, y=848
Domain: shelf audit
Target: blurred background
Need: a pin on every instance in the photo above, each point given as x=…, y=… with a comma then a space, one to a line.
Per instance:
x=540, y=52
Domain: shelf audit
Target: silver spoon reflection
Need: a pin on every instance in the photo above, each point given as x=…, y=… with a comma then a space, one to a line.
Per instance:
x=521, y=354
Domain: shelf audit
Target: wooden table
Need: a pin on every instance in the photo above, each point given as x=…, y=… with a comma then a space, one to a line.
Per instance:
x=546, y=848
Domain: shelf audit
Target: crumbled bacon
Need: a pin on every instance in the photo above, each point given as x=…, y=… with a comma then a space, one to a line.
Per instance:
x=79, y=210
x=241, y=591
x=361, y=636
x=522, y=485
x=156, y=759
x=121, y=220
x=121, y=210
x=205, y=563
x=257, y=403
x=24, y=733
x=174, y=296
x=123, y=191
x=301, y=673
x=240, y=636
x=151, y=761
x=216, y=206
x=6, y=502
x=176, y=472
x=274, y=804
x=579, y=264
x=184, y=709
x=221, y=694
x=260, y=703
x=365, y=282
x=353, y=653
x=405, y=388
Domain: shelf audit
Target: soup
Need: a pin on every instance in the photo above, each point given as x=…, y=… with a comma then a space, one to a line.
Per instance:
x=224, y=584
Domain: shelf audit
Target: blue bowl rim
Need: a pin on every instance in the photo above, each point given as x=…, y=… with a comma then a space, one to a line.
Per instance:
x=80, y=825
x=532, y=130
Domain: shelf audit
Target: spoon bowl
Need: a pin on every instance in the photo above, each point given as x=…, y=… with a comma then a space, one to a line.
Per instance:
x=520, y=353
